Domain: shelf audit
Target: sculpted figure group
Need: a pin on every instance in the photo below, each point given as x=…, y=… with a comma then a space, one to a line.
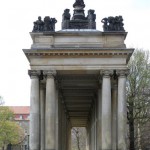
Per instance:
x=113, y=23
x=109, y=24
x=47, y=25
x=79, y=20
x=66, y=15
x=91, y=16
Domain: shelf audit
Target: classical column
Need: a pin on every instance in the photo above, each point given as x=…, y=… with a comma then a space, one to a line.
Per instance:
x=50, y=116
x=65, y=131
x=106, y=111
x=63, y=127
x=92, y=130
x=122, y=113
x=99, y=110
x=60, y=123
x=114, y=114
x=34, y=110
x=42, y=115
x=95, y=125
x=57, y=120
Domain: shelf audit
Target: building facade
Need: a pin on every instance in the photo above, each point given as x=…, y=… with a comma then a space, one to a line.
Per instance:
x=22, y=116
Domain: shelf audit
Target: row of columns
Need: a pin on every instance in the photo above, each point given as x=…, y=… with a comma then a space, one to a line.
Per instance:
x=48, y=119
x=49, y=125
x=110, y=119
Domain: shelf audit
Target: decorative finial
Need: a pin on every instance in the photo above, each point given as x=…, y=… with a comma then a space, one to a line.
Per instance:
x=79, y=20
x=79, y=3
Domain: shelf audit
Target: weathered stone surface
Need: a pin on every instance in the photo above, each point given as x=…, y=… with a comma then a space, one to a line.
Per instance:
x=69, y=64
x=76, y=38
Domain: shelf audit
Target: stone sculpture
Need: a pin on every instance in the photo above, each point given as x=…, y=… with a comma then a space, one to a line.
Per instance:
x=91, y=19
x=38, y=25
x=66, y=15
x=91, y=16
x=113, y=23
x=79, y=3
x=79, y=20
x=47, y=25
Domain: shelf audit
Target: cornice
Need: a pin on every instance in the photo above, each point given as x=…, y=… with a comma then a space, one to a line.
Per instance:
x=78, y=52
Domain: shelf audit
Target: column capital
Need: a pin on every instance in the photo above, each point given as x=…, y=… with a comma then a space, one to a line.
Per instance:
x=34, y=73
x=49, y=73
x=106, y=73
x=122, y=73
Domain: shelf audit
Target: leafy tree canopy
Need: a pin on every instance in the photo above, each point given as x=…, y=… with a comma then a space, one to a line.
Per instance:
x=10, y=131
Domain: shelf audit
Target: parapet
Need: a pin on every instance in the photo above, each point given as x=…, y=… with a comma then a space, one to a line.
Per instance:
x=74, y=38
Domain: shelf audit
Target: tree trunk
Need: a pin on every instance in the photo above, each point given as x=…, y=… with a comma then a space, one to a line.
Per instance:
x=78, y=142
x=131, y=128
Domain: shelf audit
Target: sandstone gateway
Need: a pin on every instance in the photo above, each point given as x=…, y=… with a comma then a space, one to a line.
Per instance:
x=78, y=77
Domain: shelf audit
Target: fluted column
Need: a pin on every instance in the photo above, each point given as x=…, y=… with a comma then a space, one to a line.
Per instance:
x=122, y=113
x=106, y=111
x=42, y=115
x=34, y=110
x=50, y=122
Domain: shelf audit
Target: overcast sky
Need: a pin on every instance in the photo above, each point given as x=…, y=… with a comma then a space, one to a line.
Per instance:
x=17, y=18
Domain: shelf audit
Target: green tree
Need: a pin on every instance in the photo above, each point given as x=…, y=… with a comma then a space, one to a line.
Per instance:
x=138, y=102
x=10, y=131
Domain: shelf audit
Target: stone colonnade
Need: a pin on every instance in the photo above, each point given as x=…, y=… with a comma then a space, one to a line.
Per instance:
x=107, y=127
x=50, y=128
